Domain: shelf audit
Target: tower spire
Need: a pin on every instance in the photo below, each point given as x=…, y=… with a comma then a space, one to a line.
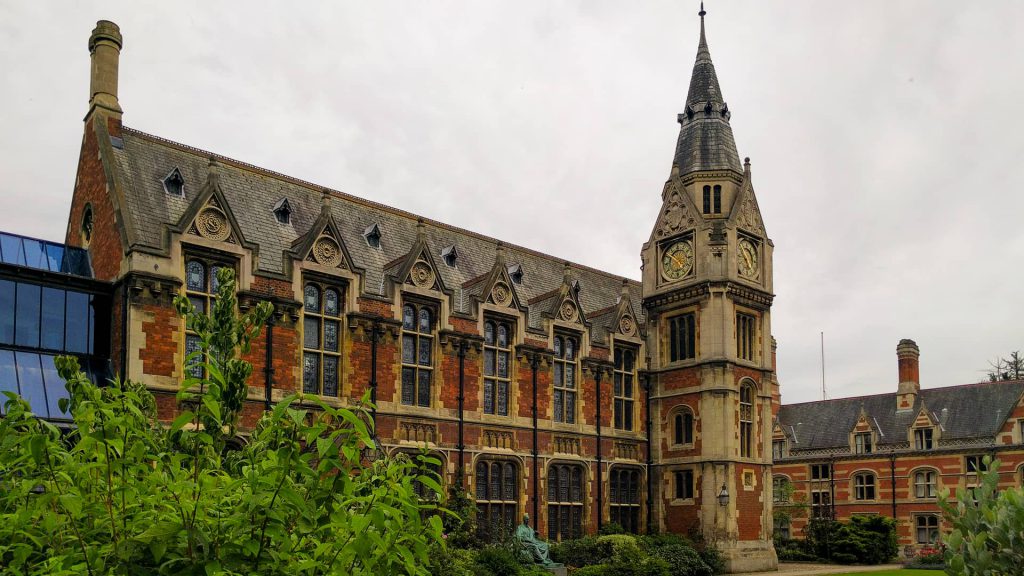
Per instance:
x=705, y=137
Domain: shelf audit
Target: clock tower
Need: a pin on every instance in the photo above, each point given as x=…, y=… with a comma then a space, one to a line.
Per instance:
x=707, y=292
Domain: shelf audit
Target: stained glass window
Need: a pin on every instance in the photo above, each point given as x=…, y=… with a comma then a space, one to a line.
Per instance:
x=201, y=286
x=417, y=354
x=564, y=368
x=497, y=376
x=321, y=340
x=565, y=501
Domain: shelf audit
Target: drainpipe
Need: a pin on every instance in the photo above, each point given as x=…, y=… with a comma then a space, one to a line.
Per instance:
x=124, y=330
x=268, y=370
x=534, y=362
x=832, y=486
x=462, y=395
x=650, y=459
x=375, y=334
x=600, y=481
x=892, y=480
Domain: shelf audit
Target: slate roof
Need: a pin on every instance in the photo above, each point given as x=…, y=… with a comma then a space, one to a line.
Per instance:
x=966, y=412
x=252, y=193
x=705, y=137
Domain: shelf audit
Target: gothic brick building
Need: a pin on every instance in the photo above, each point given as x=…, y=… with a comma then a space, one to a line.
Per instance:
x=543, y=386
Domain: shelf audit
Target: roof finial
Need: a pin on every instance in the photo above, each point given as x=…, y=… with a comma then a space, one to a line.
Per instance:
x=702, y=12
x=421, y=229
x=325, y=198
x=703, y=54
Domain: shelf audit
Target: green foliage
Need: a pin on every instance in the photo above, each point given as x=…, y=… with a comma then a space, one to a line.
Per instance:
x=987, y=527
x=622, y=545
x=460, y=526
x=497, y=561
x=124, y=494
x=611, y=528
x=793, y=550
x=682, y=556
x=582, y=552
x=861, y=540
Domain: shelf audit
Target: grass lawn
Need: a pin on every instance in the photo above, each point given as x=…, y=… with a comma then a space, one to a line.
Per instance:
x=898, y=572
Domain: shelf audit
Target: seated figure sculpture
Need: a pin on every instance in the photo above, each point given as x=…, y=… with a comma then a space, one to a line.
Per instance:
x=534, y=550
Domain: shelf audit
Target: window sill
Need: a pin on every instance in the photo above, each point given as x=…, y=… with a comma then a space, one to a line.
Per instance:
x=682, y=502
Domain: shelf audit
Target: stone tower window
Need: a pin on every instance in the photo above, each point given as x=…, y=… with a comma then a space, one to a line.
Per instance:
x=682, y=427
x=87, y=226
x=682, y=337
x=174, y=183
x=707, y=199
x=746, y=420
x=746, y=336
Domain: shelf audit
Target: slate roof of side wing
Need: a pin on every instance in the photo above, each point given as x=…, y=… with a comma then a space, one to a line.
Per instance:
x=251, y=192
x=971, y=411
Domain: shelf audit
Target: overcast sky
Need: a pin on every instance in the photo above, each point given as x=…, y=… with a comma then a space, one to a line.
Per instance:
x=885, y=138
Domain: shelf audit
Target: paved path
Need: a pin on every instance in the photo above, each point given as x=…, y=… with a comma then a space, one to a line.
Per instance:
x=787, y=569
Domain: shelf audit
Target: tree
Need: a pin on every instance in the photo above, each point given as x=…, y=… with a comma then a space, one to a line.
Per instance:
x=1009, y=368
x=987, y=527
x=124, y=493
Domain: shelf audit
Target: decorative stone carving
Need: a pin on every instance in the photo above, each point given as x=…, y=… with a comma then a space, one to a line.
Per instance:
x=567, y=445
x=213, y=224
x=627, y=326
x=422, y=275
x=501, y=294
x=327, y=252
x=568, y=312
x=674, y=214
x=627, y=450
x=418, y=432
x=499, y=439
x=750, y=216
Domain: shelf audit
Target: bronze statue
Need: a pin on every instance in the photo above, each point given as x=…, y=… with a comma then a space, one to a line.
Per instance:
x=534, y=550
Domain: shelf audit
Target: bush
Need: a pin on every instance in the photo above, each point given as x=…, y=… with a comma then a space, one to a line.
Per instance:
x=865, y=540
x=622, y=546
x=124, y=493
x=497, y=561
x=611, y=528
x=793, y=550
x=987, y=527
x=586, y=551
x=451, y=561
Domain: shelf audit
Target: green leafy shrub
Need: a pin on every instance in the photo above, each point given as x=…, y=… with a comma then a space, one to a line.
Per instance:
x=582, y=552
x=683, y=557
x=987, y=527
x=611, y=528
x=793, y=550
x=497, y=561
x=123, y=493
x=865, y=540
x=451, y=561
x=622, y=546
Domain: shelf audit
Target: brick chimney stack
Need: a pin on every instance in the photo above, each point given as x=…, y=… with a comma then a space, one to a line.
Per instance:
x=105, y=50
x=908, y=354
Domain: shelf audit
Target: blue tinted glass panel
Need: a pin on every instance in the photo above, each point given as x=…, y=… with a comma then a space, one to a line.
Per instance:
x=77, y=323
x=92, y=323
x=53, y=319
x=6, y=312
x=55, y=389
x=35, y=255
x=27, y=316
x=8, y=377
x=10, y=249
x=55, y=257
x=76, y=261
x=30, y=377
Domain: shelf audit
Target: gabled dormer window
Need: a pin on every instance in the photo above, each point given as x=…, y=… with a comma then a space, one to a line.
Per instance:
x=372, y=235
x=174, y=183
x=515, y=272
x=283, y=211
x=450, y=255
x=862, y=443
x=923, y=439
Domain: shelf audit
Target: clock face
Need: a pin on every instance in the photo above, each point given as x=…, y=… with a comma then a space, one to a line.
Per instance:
x=748, y=264
x=677, y=260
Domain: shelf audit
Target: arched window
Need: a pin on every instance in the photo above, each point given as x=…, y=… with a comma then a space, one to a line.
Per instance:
x=566, y=348
x=565, y=502
x=625, y=377
x=497, y=367
x=707, y=199
x=321, y=339
x=864, y=486
x=718, y=199
x=417, y=354
x=747, y=395
x=925, y=484
x=625, y=497
x=497, y=497
x=682, y=427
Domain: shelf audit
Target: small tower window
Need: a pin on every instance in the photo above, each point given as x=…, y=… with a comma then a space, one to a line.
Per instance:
x=372, y=235
x=450, y=255
x=283, y=211
x=515, y=272
x=174, y=183
x=707, y=199
x=718, y=199
x=87, y=225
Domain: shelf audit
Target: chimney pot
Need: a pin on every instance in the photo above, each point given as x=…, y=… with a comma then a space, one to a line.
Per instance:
x=907, y=354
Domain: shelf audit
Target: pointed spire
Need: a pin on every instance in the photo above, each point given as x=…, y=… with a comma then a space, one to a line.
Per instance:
x=705, y=137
